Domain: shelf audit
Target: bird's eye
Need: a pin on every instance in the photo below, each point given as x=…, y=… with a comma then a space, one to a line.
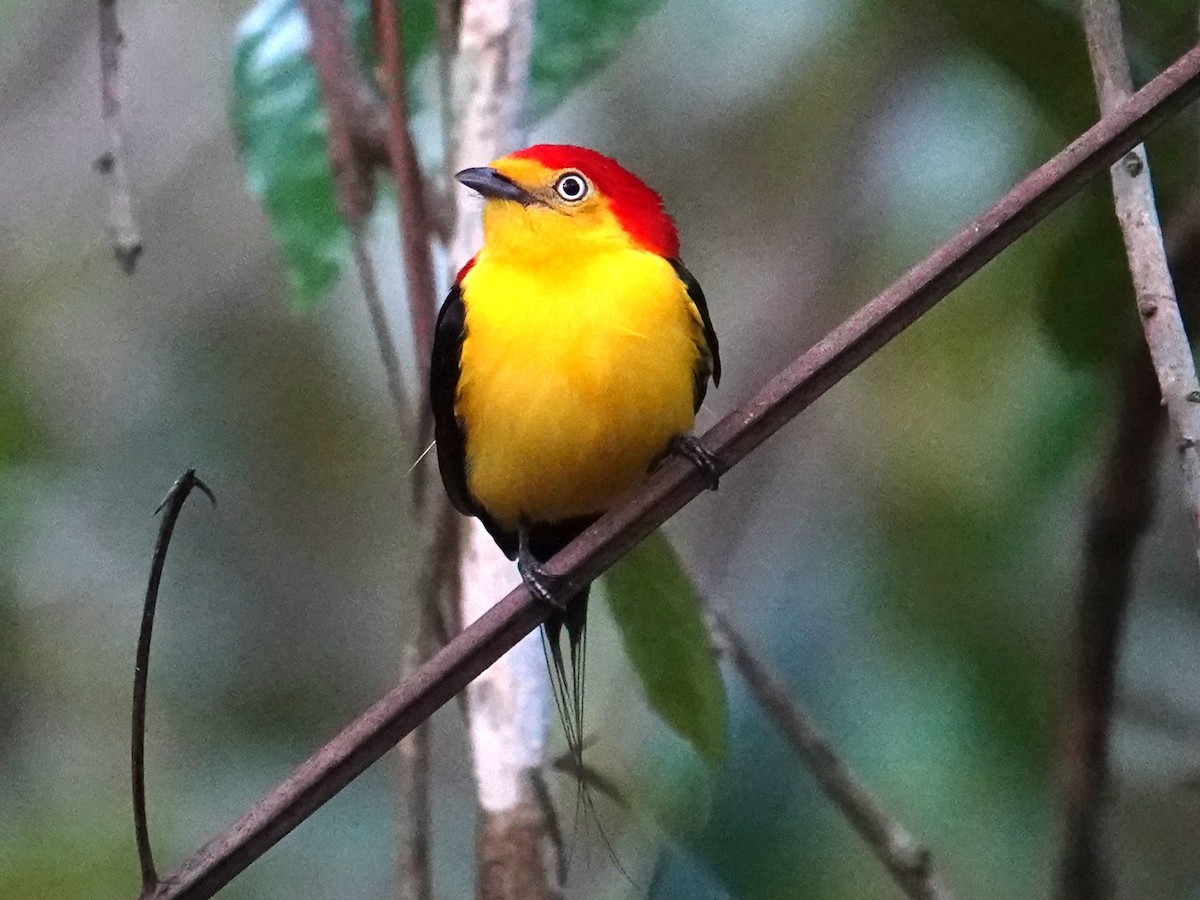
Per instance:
x=571, y=186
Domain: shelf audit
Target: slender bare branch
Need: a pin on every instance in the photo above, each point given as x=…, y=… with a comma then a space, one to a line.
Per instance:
x=416, y=235
x=123, y=229
x=449, y=21
x=382, y=331
x=347, y=111
x=1123, y=496
x=414, y=877
x=1123, y=499
x=908, y=862
x=675, y=483
x=341, y=86
x=1158, y=309
x=414, y=870
x=415, y=228
x=436, y=580
x=354, y=147
x=173, y=503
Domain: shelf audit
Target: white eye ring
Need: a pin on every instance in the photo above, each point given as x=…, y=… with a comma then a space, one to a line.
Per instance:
x=571, y=186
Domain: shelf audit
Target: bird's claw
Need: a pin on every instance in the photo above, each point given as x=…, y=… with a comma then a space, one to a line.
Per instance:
x=544, y=586
x=689, y=447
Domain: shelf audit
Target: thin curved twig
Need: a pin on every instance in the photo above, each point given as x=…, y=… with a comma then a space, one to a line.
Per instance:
x=173, y=503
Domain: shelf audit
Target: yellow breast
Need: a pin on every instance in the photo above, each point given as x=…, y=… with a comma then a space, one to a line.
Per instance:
x=576, y=372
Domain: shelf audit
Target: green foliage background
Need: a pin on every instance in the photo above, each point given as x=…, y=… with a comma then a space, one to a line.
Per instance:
x=906, y=554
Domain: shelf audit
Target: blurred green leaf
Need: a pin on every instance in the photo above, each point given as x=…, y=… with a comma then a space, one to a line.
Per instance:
x=68, y=853
x=1038, y=45
x=658, y=614
x=1041, y=47
x=1087, y=304
x=282, y=129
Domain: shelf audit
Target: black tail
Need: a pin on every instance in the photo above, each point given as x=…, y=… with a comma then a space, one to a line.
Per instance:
x=568, y=673
x=568, y=698
x=545, y=540
x=568, y=691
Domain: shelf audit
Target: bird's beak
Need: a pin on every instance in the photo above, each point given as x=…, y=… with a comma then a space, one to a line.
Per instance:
x=491, y=184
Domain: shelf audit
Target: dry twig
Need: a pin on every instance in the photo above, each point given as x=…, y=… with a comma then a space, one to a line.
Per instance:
x=1123, y=499
x=126, y=239
x=908, y=862
x=1158, y=309
x=675, y=483
x=414, y=876
x=382, y=331
x=353, y=152
x=342, y=99
x=1123, y=496
x=415, y=229
x=350, y=112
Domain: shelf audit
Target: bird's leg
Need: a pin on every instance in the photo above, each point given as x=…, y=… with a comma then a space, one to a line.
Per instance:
x=545, y=586
x=689, y=447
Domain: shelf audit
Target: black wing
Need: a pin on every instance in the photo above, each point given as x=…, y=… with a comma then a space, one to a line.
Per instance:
x=709, y=364
x=443, y=388
x=448, y=431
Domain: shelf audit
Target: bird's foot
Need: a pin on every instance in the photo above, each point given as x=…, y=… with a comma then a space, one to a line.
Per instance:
x=689, y=447
x=545, y=586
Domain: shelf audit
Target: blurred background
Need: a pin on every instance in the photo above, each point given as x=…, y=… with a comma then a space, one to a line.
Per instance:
x=907, y=553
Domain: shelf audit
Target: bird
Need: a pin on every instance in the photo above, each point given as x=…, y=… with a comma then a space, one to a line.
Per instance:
x=570, y=357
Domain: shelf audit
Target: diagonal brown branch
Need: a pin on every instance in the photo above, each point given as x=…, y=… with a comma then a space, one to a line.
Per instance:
x=362, y=742
x=908, y=862
x=1158, y=308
